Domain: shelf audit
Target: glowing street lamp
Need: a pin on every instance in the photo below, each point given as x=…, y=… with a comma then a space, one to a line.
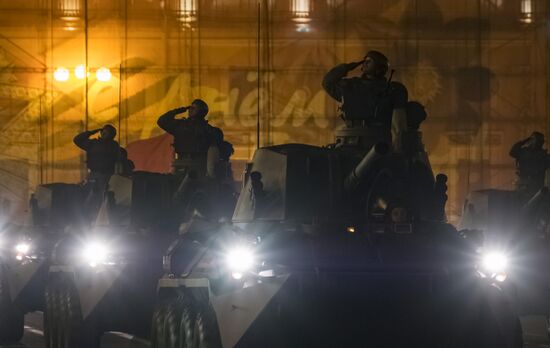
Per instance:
x=70, y=12
x=61, y=74
x=69, y=9
x=301, y=10
x=186, y=10
x=103, y=74
x=526, y=11
x=80, y=72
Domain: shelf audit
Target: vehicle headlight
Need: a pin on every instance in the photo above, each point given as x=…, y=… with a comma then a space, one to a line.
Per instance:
x=95, y=253
x=22, y=248
x=239, y=260
x=22, y=251
x=494, y=264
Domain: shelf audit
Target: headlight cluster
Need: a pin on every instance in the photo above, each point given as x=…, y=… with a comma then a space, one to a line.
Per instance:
x=494, y=265
x=23, y=251
x=240, y=260
x=96, y=253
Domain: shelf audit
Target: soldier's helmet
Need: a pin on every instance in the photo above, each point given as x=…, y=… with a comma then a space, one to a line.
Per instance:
x=108, y=132
x=539, y=139
x=381, y=61
x=201, y=106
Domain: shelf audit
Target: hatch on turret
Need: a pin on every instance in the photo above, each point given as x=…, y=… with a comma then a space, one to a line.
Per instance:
x=289, y=182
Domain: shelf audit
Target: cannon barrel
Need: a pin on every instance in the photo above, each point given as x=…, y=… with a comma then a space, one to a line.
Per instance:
x=359, y=172
x=535, y=201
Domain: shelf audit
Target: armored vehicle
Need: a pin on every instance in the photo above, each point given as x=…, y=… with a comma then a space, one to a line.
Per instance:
x=105, y=279
x=26, y=253
x=518, y=229
x=337, y=246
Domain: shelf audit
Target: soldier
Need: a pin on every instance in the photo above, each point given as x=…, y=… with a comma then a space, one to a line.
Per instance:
x=201, y=153
x=101, y=153
x=531, y=163
x=371, y=100
x=194, y=138
x=192, y=135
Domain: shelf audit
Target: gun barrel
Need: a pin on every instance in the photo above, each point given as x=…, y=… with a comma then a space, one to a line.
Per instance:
x=535, y=201
x=360, y=171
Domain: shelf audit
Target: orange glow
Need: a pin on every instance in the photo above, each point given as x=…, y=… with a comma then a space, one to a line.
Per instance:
x=301, y=10
x=61, y=74
x=479, y=103
x=526, y=11
x=80, y=72
x=186, y=10
x=103, y=74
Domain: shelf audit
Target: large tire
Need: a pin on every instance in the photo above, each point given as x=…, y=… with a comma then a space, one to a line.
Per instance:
x=11, y=318
x=166, y=330
x=72, y=316
x=187, y=324
x=493, y=324
x=171, y=324
x=73, y=332
x=157, y=325
x=206, y=333
x=500, y=328
x=174, y=322
x=52, y=314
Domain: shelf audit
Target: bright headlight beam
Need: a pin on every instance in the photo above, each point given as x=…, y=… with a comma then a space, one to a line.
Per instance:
x=240, y=259
x=95, y=253
x=495, y=262
x=22, y=248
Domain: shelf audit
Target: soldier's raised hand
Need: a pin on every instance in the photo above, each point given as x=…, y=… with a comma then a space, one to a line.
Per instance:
x=181, y=109
x=354, y=65
x=524, y=142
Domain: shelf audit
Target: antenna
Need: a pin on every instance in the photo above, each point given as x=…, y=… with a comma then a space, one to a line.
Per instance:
x=258, y=76
x=119, y=101
x=86, y=112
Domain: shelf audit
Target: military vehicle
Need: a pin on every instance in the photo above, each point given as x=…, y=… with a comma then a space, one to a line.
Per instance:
x=337, y=246
x=106, y=278
x=26, y=253
x=518, y=229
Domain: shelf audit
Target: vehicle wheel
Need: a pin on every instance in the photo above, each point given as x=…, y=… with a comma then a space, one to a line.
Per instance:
x=501, y=330
x=493, y=325
x=518, y=334
x=74, y=332
x=51, y=314
x=187, y=323
x=206, y=333
x=171, y=324
x=157, y=325
x=11, y=318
